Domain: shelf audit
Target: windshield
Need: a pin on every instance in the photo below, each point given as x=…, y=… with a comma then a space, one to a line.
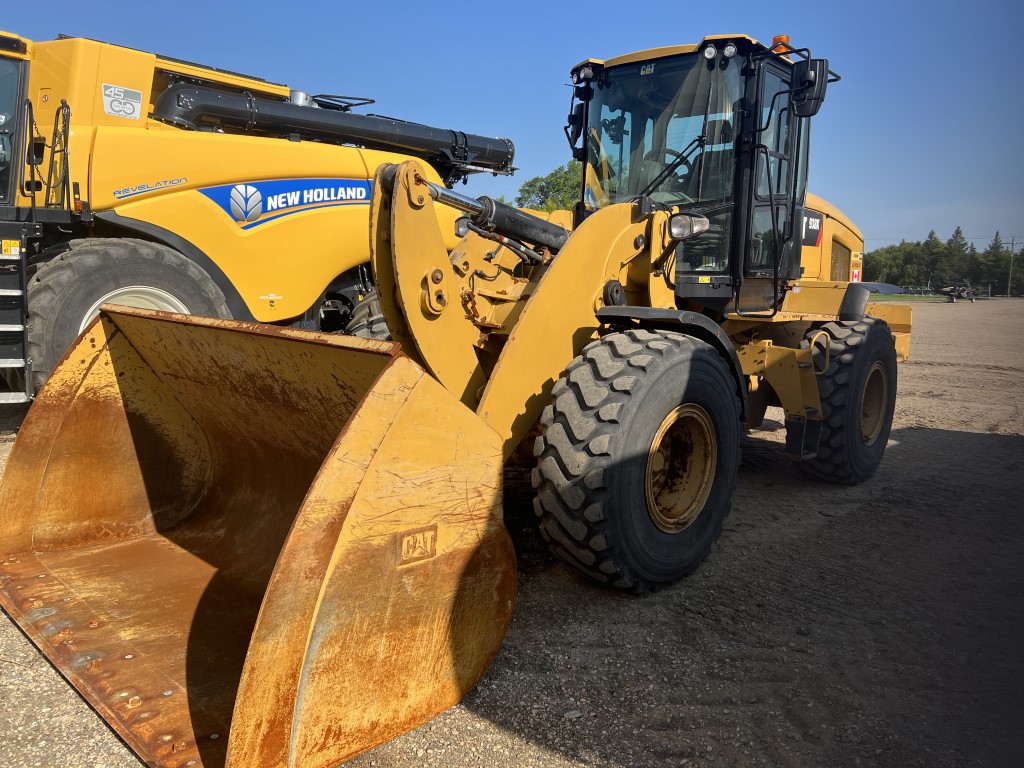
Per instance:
x=663, y=128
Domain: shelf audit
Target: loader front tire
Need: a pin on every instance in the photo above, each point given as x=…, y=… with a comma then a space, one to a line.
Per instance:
x=637, y=459
x=66, y=292
x=858, y=397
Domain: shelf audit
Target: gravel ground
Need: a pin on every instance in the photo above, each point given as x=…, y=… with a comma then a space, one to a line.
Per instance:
x=881, y=625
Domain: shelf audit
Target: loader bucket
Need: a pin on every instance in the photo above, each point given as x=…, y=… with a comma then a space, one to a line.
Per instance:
x=252, y=546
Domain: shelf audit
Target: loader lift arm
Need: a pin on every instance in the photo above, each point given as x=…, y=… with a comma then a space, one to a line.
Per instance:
x=503, y=361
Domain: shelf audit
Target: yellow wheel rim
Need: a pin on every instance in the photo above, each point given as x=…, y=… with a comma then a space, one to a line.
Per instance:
x=681, y=468
x=875, y=403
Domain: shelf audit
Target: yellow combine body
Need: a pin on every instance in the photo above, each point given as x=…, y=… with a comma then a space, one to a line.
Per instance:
x=255, y=546
x=251, y=198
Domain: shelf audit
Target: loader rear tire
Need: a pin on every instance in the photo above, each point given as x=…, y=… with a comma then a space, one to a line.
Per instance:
x=66, y=292
x=638, y=457
x=858, y=397
x=368, y=320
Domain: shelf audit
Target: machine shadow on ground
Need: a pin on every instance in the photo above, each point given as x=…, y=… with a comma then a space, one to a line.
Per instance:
x=878, y=623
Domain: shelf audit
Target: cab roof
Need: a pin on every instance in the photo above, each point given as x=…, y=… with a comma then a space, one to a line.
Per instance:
x=14, y=45
x=22, y=47
x=662, y=52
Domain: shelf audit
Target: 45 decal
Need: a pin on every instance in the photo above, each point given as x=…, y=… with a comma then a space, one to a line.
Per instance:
x=122, y=102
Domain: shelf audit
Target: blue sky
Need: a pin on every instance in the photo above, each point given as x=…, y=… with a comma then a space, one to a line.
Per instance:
x=923, y=132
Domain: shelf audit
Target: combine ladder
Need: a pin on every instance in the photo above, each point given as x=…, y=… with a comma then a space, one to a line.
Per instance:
x=21, y=230
x=14, y=310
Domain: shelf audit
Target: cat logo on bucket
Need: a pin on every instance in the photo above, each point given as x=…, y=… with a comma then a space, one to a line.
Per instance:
x=418, y=544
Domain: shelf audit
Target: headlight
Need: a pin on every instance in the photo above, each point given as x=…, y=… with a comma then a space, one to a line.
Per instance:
x=682, y=226
x=710, y=52
x=583, y=75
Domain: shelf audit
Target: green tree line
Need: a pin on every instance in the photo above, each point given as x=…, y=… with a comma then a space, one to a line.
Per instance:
x=937, y=263
x=558, y=191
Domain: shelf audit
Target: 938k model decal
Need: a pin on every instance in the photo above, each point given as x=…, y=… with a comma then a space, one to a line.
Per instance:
x=812, y=229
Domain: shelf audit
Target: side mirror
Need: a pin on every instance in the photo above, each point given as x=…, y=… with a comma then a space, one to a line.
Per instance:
x=810, y=79
x=574, y=129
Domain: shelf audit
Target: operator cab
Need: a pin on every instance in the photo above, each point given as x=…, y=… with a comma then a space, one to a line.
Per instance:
x=716, y=131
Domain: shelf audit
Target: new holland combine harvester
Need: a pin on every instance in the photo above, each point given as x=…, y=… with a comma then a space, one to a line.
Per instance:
x=257, y=545
x=132, y=178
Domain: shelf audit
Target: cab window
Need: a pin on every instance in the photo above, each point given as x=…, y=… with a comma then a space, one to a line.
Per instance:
x=8, y=120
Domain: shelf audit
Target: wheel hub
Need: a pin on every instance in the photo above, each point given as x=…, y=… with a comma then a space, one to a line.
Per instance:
x=141, y=296
x=681, y=468
x=875, y=403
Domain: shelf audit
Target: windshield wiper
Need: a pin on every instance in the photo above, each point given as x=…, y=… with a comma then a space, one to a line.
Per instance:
x=700, y=141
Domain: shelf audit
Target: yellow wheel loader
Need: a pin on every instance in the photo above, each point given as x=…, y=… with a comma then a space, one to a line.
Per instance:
x=248, y=545
x=133, y=178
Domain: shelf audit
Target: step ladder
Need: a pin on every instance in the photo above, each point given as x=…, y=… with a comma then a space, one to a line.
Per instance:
x=14, y=357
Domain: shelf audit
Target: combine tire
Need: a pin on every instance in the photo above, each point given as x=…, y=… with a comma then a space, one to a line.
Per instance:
x=368, y=320
x=637, y=460
x=66, y=292
x=858, y=395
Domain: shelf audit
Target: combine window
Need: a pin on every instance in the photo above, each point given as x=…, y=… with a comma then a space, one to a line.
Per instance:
x=9, y=71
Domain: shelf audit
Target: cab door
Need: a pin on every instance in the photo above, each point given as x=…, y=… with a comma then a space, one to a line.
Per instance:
x=771, y=253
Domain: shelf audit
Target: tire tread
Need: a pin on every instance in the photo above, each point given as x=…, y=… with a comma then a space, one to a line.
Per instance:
x=847, y=338
x=574, y=450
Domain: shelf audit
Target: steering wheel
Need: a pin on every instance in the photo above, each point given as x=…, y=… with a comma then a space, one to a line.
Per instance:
x=656, y=156
x=674, y=182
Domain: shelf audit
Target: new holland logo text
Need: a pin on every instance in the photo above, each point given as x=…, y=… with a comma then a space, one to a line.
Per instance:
x=258, y=202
